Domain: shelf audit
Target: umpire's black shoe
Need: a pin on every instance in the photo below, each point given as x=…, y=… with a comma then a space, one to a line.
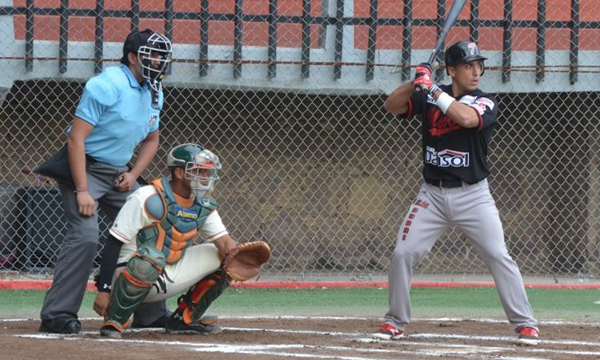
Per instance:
x=175, y=325
x=61, y=326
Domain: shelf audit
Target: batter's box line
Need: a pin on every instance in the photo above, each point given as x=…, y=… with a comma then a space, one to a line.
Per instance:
x=276, y=349
x=346, y=318
x=357, y=335
x=473, y=348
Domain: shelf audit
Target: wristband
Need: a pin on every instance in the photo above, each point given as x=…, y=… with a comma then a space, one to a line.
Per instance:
x=80, y=191
x=444, y=101
x=433, y=89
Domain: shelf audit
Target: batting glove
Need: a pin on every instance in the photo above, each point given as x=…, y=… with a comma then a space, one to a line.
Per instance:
x=423, y=68
x=423, y=82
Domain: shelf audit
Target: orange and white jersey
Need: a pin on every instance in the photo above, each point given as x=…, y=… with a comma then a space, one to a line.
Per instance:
x=133, y=217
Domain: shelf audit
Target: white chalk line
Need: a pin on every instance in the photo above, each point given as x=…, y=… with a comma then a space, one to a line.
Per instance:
x=419, y=335
x=462, y=337
x=464, y=349
x=416, y=336
x=275, y=349
x=354, y=318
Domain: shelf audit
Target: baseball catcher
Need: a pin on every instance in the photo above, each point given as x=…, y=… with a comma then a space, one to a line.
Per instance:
x=148, y=256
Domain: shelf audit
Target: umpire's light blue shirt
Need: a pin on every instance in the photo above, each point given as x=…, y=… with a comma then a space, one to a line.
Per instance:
x=121, y=111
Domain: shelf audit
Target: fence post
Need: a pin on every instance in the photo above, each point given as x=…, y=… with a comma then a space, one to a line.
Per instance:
x=540, y=53
x=507, y=41
x=272, y=51
x=63, y=41
x=99, y=41
x=372, y=42
x=574, y=54
x=29, y=36
x=407, y=22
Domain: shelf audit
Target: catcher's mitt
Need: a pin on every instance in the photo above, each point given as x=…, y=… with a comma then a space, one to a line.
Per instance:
x=243, y=261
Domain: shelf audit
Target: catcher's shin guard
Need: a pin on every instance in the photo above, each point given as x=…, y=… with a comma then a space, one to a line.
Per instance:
x=133, y=285
x=194, y=303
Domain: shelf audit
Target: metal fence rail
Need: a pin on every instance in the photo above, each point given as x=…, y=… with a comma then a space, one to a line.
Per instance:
x=290, y=94
x=273, y=19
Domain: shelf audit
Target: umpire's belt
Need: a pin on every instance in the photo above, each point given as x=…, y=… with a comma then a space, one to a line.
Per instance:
x=445, y=183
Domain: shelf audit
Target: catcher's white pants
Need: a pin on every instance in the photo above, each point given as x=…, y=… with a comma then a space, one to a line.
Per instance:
x=197, y=262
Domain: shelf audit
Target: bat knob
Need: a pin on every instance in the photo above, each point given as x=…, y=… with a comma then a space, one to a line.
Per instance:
x=420, y=89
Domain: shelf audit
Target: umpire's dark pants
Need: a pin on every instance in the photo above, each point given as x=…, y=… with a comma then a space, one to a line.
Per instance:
x=76, y=257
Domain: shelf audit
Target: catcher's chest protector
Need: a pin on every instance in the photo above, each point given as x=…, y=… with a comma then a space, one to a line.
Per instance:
x=176, y=225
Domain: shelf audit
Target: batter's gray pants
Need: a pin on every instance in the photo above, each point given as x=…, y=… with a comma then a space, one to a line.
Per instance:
x=473, y=210
x=76, y=256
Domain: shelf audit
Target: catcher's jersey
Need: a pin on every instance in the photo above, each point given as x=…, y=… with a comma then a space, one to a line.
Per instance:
x=133, y=217
x=451, y=152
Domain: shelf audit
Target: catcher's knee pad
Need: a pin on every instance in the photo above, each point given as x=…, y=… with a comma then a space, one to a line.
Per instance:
x=194, y=303
x=133, y=285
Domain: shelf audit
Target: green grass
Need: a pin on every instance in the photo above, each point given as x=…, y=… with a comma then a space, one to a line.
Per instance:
x=427, y=302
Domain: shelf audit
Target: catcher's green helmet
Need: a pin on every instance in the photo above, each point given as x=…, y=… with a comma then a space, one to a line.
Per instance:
x=183, y=154
x=201, y=166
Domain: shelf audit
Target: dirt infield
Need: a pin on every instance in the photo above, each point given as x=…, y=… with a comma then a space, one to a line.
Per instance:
x=308, y=338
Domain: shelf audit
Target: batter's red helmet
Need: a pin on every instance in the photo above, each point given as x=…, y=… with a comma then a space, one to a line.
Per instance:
x=463, y=52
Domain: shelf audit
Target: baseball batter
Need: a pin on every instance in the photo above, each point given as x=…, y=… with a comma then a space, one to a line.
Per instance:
x=458, y=122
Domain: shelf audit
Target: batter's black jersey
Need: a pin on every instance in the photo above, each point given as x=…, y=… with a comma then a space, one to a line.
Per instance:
x=451, y=152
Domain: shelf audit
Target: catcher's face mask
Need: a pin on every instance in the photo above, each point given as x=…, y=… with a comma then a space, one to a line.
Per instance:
x=203, y=173
x=155, y=57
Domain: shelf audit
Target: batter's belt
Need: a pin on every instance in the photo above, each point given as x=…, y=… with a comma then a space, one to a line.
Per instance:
x=445, y=183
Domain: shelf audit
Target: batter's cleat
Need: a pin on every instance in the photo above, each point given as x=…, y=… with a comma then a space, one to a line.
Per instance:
x=388, y=332
x=528, y=336
x=175, y=325
x=61, y=326
x=110, y=332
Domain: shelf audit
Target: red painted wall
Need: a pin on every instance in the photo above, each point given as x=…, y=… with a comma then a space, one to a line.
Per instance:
x=289, y=35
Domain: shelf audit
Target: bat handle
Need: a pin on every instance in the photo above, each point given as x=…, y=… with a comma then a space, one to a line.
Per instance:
x=420, y=89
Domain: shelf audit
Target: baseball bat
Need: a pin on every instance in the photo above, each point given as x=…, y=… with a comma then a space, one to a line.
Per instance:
x=453, y=13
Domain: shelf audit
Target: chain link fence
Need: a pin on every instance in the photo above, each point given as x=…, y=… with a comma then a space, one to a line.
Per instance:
x=289, y=93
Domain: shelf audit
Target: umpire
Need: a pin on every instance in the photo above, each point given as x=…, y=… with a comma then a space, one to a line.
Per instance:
x=118, y=111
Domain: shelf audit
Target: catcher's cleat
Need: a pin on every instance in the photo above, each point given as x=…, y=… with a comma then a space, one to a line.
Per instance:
x=175, y=325
x=388, y=332
x=208, y=319
x=528, y=336
x=161, y=322
x=110, y=332
x=61, y=326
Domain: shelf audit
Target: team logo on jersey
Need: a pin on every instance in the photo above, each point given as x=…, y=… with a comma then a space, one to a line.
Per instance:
x=440, y=124
x=482, y=105
x=446, y=158
x=186, y=215
x=153, y=120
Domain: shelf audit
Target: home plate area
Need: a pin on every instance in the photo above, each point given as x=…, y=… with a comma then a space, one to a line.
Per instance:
x=322, y=338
